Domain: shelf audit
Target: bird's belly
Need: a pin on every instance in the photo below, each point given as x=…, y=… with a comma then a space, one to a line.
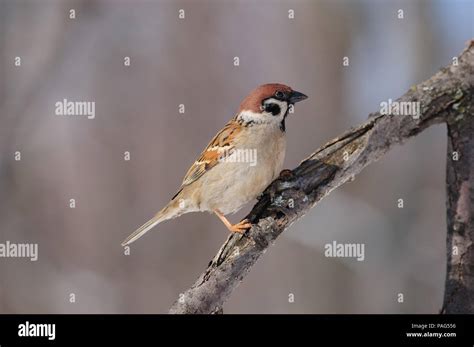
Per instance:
x=230, y=185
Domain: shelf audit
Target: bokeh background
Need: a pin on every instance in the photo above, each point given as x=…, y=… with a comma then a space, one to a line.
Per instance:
x=190, y=62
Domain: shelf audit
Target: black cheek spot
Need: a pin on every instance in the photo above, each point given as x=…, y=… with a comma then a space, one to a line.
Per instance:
x=274, y=109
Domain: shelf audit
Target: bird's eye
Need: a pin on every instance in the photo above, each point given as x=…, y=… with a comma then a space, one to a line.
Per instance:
x=279, y=94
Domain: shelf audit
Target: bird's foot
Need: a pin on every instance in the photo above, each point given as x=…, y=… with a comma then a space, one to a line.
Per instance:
x=241, y=227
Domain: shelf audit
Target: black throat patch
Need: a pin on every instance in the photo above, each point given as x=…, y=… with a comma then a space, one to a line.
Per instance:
x=283, y=121
x=283, y=124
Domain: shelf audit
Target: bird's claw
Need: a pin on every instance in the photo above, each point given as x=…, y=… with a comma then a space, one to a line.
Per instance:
x=241, y=227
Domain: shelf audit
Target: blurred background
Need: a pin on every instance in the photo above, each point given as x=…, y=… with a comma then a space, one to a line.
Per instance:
x=190, y=61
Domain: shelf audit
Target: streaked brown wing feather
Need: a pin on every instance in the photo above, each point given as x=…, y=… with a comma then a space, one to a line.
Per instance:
x=224, y=140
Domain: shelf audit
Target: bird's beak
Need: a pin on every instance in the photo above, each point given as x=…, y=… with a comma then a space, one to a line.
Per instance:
x=296, y=96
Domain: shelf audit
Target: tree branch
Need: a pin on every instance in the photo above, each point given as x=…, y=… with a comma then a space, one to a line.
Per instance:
x=445, y=97
x=459, y=289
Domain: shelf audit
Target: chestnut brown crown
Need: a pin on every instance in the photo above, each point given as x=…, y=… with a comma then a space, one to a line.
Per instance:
x=282, y=92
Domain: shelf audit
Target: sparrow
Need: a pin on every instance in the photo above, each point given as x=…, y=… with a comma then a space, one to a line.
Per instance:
x=223, y=179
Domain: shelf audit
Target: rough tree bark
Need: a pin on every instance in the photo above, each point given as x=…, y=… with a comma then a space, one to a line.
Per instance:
x=445, y=97
x=459, y=290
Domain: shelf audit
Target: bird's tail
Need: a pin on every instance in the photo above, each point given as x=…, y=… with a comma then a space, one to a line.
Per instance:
x=168, y=212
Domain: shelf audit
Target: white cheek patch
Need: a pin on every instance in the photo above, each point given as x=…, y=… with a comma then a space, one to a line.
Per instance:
x=250, y=116
x=283, y=107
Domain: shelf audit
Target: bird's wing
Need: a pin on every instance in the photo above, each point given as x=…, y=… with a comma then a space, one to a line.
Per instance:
x=224, y=141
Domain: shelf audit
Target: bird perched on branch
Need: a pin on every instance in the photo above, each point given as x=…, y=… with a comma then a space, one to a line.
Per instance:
x=238, y=164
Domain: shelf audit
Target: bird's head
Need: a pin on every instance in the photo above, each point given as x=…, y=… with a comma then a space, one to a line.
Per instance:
x=268, y=104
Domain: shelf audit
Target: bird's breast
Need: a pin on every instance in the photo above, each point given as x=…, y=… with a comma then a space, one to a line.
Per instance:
x=245, y=172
